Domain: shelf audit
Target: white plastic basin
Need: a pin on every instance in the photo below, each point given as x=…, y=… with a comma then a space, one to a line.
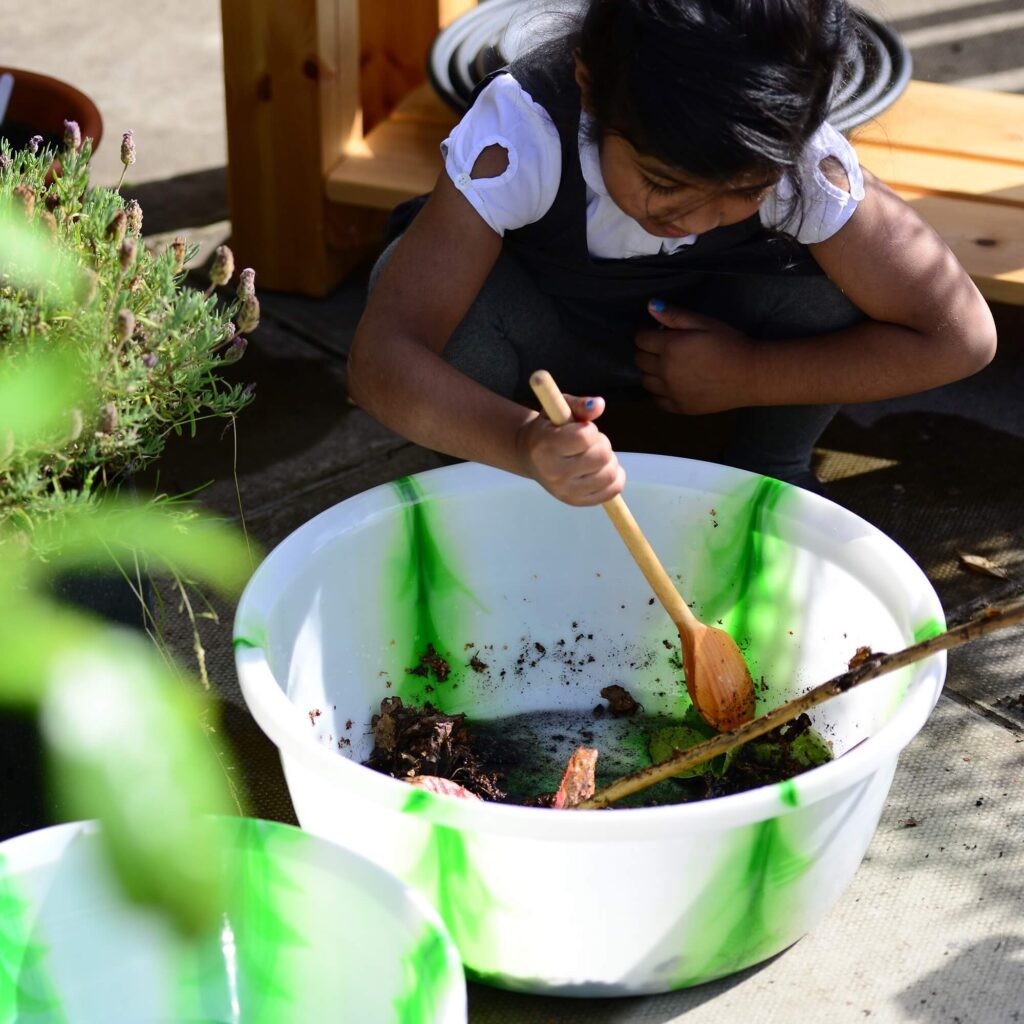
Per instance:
x=310, y=932
x=480, y=562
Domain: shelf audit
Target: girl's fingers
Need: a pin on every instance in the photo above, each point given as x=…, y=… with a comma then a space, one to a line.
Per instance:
x=667, y=405
x=650, y=341
x=573, y=439
x=653, y=384
x=646, y=361
x=679, y=319
x=586, y=408
x=595, y=488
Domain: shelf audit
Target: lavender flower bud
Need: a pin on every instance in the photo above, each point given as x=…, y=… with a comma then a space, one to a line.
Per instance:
x=133, y=211
x=126, y=254
x=117, y=227
x=246, y=284
x=75, y=424
x=5, y=162
x=34, y=143
x=249, y=315
x=72, y=135
x=223, y=266
x=49, y=223
x=179, y=250
x=149, y=360
x=25, y=199
x=248, y=391
x=235, y=350
x=88, y=282
x=125, y=325
x=108, y=418
x=128, y=148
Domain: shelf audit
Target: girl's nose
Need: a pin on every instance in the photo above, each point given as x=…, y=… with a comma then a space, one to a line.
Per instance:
x=701, y=220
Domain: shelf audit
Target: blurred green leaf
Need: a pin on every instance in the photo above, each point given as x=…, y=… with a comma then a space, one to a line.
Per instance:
x=200, y=547
x=35, y=396
x=126, y=743
x=29, y=259
x=32, y=632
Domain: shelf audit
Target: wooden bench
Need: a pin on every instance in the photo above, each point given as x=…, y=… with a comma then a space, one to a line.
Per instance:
x=330, y=125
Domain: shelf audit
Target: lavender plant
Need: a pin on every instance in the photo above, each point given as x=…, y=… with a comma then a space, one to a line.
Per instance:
x=103, y=353
x=151, y=347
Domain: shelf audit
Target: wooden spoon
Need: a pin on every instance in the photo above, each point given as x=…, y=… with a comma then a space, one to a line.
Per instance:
x=717, y=677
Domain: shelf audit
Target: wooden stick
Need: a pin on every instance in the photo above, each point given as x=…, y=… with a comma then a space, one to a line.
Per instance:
x=993, y=618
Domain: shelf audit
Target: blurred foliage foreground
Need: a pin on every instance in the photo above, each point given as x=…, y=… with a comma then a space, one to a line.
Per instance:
x=103, y=353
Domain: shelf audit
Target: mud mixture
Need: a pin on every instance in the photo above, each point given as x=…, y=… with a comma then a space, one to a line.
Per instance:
x=551, y=758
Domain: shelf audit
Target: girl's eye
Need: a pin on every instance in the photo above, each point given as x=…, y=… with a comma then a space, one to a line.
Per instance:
x=660, y=190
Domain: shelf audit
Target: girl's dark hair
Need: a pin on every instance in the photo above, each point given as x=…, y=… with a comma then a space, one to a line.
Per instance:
x=714, y=88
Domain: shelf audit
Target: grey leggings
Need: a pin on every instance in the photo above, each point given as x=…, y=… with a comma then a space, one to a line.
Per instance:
x=513, y=328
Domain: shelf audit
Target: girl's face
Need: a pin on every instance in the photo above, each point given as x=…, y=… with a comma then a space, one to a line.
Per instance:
x=667, y=203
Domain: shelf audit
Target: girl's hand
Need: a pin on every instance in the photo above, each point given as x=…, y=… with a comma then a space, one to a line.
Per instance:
x=574, y=462
x=699, y=365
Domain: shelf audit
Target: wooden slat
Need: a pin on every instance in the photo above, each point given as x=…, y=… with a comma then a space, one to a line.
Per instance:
x=949, y=119
x=449, y=10
x=399, y=159
x=423, y=104
x=986, y=238
x=996, y=181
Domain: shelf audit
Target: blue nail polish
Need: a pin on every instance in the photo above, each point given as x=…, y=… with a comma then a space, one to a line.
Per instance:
x=658, y=305
x=588, y=404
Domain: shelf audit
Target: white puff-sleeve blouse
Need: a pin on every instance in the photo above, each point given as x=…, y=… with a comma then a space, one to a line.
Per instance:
x=504, y=114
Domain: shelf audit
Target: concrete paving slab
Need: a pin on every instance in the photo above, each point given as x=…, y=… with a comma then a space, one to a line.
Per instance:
x=329, y=322
x=275, y=520
x=298, y=430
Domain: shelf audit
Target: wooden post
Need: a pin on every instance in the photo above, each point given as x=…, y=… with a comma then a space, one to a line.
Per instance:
x=395, y=43
x=290, y=74
x=297, y=78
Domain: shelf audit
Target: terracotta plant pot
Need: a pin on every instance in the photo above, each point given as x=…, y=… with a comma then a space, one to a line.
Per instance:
x=43, y=104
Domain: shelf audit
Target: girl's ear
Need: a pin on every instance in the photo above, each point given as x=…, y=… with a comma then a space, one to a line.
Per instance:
x=583, y=81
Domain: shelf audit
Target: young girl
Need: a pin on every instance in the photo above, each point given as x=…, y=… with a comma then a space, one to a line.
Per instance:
x=655, y=204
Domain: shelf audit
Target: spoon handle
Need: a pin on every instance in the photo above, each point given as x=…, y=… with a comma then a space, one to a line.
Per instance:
x=557, y=410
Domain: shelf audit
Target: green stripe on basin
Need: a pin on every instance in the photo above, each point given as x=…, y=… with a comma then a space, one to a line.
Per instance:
x=250, y=969
x=425, y=972
x=746, y=909
x=27, y=992
x=743, y=581
x=423, y=601
x=928, y=629
x=445, y=873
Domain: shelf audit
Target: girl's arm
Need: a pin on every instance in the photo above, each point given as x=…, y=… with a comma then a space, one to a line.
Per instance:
x=396, y=373
x=928, y=325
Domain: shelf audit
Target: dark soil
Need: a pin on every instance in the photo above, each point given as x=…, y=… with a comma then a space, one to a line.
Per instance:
x=412, y=743
x=523, y=759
